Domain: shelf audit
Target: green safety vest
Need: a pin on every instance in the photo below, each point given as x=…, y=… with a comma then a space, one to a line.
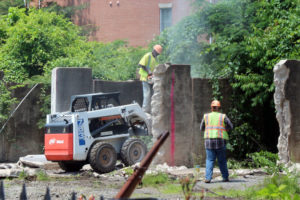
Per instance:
x=149, y=61
x=215, y=126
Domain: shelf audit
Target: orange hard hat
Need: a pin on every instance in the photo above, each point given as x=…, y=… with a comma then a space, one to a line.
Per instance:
x=215, y=103
x=158, y=48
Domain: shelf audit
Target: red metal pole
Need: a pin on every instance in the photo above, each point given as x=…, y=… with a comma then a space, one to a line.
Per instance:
x=137, y=175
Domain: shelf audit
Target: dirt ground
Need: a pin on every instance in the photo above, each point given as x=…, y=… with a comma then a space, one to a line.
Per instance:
x=87, y=183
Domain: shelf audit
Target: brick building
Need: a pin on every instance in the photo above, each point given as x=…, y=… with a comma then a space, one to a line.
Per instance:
x=136, y=21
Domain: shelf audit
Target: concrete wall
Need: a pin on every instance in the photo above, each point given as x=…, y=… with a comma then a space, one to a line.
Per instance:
x=202, y=97
x=192, y=98
x=129, y=90
x=287, y=100
x=66, y=82
x=22, y=135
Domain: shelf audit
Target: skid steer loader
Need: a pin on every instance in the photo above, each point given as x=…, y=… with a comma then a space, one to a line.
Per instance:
x=97, y=130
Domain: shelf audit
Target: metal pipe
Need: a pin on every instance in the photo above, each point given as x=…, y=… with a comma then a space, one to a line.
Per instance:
x=137, y=175
x=13, y=112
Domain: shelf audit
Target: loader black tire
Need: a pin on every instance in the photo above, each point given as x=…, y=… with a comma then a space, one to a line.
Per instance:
x=133, y=151
x=103, y=157
x=71, y=166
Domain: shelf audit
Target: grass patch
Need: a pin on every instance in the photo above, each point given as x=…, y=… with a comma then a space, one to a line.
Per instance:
x=163, y=183
x=42, y=176
x=141, y=195
x=243, y=194
x=171, y=189
x=23, y=175
x=128, y=171
x=156, y=180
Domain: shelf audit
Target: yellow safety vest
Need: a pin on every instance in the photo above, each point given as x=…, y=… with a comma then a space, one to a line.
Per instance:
x=215, y=126
x=149, y=61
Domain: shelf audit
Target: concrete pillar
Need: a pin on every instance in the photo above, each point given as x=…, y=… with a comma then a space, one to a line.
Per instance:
x=287, y=100
x=67, y=82
x=161, y=112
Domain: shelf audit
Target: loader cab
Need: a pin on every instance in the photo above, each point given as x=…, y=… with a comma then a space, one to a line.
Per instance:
x=95, y=101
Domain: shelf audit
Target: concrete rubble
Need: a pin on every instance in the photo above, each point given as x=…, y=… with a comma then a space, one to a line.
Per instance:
x=30, y=165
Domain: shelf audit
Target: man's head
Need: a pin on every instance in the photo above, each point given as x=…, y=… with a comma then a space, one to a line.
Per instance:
x=157, y=49
x=215, y=105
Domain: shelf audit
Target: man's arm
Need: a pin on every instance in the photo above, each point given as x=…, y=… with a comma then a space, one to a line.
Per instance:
x=228, y=124
x=146, y=69
x=202, y=125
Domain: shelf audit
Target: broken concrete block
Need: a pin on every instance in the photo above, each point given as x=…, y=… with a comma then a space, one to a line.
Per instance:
x=287, y=100
x=37, y=161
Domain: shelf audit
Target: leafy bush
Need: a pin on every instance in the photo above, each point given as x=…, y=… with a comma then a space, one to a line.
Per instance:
x=278, y=186
x=234, y=164
x=281, y=187
x=263, y=159
x=266, y=160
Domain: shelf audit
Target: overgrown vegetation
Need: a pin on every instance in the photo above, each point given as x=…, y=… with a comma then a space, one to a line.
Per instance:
x=278, y=186
x=33, y=42
x=263, y=159
x=246, y=44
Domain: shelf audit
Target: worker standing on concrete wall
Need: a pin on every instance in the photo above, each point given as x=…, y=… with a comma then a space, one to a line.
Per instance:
x=215, y=126
x=147, y=65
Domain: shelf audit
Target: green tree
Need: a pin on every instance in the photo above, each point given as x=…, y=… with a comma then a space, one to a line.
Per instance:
x=249, y=38
x=32, y=39
x=33, y=42
x=6, y=4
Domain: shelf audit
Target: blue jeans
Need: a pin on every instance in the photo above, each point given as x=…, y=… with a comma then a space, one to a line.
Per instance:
x=211, y=155
x=146, y=97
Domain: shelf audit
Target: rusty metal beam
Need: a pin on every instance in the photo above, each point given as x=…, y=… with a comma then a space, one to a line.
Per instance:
x=137, y=175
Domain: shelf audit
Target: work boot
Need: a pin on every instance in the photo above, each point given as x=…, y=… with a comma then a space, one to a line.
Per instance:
x=207, y=181
x=226, y=180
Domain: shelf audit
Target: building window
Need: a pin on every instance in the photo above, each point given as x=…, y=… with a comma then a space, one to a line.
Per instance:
x=165, y=15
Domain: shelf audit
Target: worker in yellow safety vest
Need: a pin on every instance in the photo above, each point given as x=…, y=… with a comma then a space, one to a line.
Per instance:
x=215, y=126
x=147, y=65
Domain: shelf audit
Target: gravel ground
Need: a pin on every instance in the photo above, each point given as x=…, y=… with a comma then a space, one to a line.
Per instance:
x=86, y=182
x=63, y=189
